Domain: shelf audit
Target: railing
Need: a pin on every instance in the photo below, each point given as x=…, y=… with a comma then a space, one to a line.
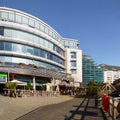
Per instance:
x=112, y=113
x=113, y=102
x=28, y=93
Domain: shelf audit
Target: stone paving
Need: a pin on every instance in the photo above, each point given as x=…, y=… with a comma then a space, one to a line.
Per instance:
x=79, y=108
x=12, y=108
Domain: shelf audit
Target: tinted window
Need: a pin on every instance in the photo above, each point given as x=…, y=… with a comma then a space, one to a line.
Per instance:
x=8, y=46
x=1, y=45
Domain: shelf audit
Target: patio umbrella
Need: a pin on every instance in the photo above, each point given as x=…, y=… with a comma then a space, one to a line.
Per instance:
x=18, y=82
x=65, y=84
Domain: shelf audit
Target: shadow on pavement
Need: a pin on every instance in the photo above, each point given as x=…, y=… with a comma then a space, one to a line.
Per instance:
x=86, y=111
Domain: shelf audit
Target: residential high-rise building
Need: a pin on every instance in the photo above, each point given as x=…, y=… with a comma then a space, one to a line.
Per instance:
x=91, y=71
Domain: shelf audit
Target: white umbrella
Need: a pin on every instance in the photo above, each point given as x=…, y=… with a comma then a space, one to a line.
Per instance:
x=18, y=82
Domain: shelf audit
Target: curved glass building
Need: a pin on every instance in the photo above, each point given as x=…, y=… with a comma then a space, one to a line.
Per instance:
x=25, y=39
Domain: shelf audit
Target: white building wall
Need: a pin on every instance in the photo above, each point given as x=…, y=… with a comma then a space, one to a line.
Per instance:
x=78, y=75
x=111, y=76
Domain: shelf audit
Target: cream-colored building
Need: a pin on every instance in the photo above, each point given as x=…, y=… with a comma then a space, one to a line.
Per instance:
x=74, y=64
x=111, y=73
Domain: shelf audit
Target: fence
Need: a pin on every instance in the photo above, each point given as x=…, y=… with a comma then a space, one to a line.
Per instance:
x=112, y=111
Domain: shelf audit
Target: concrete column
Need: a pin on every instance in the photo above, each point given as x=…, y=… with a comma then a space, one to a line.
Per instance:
x=34, y=86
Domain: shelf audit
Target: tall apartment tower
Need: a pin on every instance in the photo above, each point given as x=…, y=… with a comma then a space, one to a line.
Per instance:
x=73, y=61
x=91, y=71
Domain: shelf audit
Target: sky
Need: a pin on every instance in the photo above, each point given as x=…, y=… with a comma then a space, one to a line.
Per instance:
x=95, y=23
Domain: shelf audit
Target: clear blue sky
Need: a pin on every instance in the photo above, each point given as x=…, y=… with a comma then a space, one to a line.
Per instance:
x=95, y=23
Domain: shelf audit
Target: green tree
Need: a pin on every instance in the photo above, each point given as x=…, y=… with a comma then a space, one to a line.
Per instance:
x=93, y=88
x=29, y=85
x=12, y=87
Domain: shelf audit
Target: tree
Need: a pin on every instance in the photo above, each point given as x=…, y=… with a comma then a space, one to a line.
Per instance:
x=93, y=88
x=29, y=86
x=12, y=87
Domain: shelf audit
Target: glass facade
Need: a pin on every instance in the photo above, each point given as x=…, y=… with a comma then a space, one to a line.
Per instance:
x=30, y=37
x=24, y=49
x=28, y=20
x=25, y=38
x=91, y=71
x=33, y=22
x=22, y=46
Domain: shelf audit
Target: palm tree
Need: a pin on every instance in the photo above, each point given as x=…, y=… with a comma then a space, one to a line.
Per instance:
x=93, y=88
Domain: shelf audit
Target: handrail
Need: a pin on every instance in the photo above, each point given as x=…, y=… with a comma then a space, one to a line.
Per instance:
x=112, y=111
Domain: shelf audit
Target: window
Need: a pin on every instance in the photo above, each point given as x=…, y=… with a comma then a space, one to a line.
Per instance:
x=73, y=64
x=42, y=53
x=36, y=51
x=50, y=32
x=46, y=43
x=1, y=45
x=42, y=28
x=25, y=20
x=41, y=41
x=73, y=71
x=4, y=16
x=11, y=17
x=29, y=50
x=23, y=49
x=7, y=32
x=37, y=25
x=8, y=46
x=66, y=44
x=71, y=44
x=18, y=19
x=48, y=55
x=51, y=45
x=31, y=23
x=73, y=54
x=1, y=31
x=17, y=48
x=46, y=30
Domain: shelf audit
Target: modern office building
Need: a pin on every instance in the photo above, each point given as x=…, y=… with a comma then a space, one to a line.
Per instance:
x=91, y=71
x=32, y=50
x=111, y=73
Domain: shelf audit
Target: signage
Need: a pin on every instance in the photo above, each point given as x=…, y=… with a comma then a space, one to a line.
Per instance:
x=3, y=77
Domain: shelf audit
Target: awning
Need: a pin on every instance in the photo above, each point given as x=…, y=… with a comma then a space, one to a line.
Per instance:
x=63, y=83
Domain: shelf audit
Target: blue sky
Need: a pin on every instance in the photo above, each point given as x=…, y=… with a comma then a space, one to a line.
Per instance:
x=95, y=23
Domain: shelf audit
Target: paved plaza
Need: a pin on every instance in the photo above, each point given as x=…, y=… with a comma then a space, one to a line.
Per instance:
x=12, y=108
x=75, y=109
